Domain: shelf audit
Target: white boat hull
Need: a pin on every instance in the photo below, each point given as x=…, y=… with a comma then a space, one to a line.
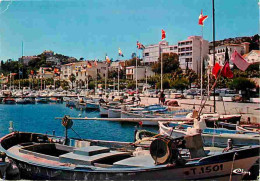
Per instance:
x=218, y=140
x=103, y=111
x=125, y=114
x=114, y=113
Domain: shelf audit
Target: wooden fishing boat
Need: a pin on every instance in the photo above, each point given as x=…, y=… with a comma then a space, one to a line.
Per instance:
x=41, y=100
x=211, y=137
x=39, y=156
x=9, y=100
x=248, y=128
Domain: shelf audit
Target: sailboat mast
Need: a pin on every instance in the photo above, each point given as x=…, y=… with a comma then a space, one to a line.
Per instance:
x=136, y=82
x=213, y=16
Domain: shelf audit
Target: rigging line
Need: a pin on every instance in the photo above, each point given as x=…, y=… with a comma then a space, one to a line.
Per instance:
x=7, y=7
x=76, y=133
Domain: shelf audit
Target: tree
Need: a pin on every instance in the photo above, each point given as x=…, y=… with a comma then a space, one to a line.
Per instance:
x=191, y=76
x=72, y=79
x=170, y=63
x=166, y=84
x=132, y=62
x=243, y=84
x=180, y=84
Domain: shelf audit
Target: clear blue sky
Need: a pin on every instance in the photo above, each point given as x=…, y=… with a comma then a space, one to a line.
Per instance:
x=92, y=28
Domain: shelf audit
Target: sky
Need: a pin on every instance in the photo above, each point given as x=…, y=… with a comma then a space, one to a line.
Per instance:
x=93, y=28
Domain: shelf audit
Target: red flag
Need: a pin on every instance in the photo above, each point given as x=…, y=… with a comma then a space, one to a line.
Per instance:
x=226, y=72
x=216, y=69
x=56, y=70
x=89, y=65
x=140, y=45
x=32, y=72
x=95, y=63
x=163, y=34
x=239, y=61
x=202, y=18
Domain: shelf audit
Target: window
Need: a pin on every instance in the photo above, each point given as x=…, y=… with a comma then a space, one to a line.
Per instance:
x=146, y=54
x=171, y=48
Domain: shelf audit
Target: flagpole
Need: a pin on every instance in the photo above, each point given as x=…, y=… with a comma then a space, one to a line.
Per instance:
x=161, y=69
x=118, y=73
x=136, y=82
x=213, y=16
x=201, y=64
x=96, y=77
x=106, y=77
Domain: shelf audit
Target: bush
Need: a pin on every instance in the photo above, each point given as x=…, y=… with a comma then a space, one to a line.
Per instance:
x=242, y=83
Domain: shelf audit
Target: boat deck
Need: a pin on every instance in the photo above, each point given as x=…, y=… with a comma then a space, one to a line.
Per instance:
x=89, y=155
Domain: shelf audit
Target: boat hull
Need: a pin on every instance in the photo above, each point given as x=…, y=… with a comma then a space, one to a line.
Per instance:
x=219, y=171
x=103, y=111
x=35, y=166
x=125, y=114
x=218, y=140
x=114, y=113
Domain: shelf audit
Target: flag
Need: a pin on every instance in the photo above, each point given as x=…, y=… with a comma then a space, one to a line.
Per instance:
x=202, y=18
x=120, y=53
x=163, y=34
x=95, y=63
x=140, y=45
x=89, y=65
x=216, y=69
x=226, y=72
x=32, y=72
x=239, y=61
x=56, y=70
x=107, y=59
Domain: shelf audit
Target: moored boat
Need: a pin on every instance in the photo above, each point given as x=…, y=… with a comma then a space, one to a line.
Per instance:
x=211, y=137
x=42, y=100
x=9, y=100
x=41, y=156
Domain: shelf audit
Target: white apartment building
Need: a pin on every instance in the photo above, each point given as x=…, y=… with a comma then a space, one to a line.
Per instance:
x=252, y=57
x=191, y=51
x=220, y=51
x=142, y=72
x=242, y=49
x=151, y=53
x=188, y=51
x=82, y=71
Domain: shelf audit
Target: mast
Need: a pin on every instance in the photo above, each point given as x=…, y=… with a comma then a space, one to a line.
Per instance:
x=161, y=69
x=213, y=16
x=201, y=64
x=106, y=76
x=136, y=82
x=118, y=73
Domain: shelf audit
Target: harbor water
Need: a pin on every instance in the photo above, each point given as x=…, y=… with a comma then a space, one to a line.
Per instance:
x=40, y=118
